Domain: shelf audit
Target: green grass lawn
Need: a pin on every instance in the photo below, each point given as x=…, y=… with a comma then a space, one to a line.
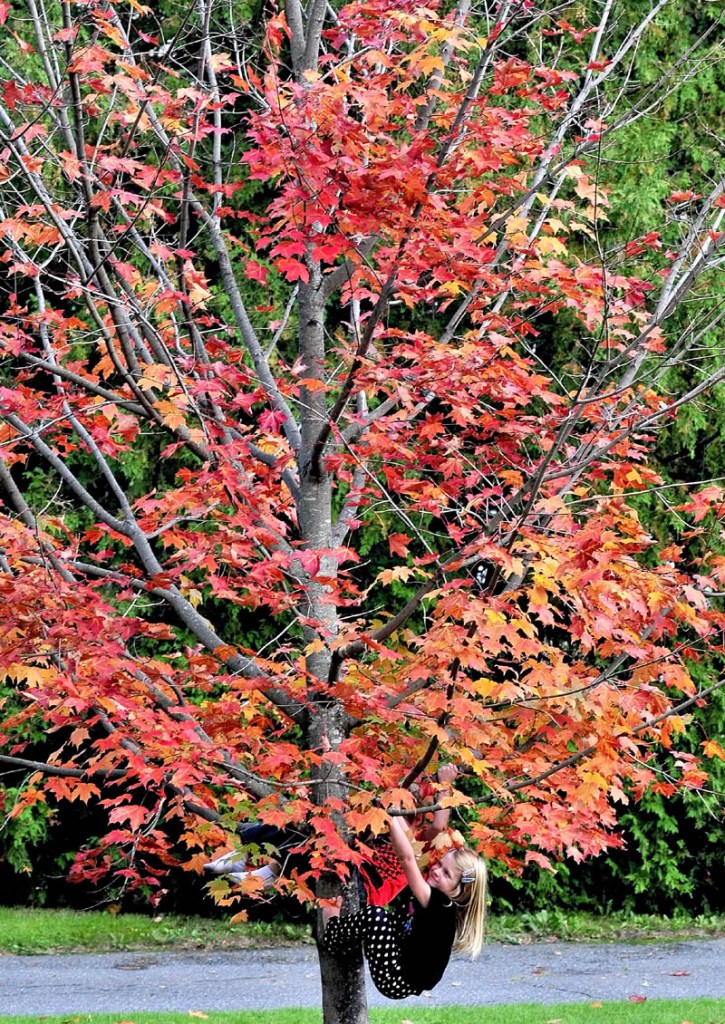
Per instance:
x=28, y=930
x=701, y=1011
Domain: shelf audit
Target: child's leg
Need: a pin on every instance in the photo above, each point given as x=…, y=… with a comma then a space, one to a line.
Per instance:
x=234, y=863
x=382, y=946
x=342, y=934
x=380, y=934
x=254, y=833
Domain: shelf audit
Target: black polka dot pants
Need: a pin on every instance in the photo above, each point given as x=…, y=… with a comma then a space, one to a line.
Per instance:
x=380, y=933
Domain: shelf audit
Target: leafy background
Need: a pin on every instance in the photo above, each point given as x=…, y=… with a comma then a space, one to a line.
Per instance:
x=673, y=847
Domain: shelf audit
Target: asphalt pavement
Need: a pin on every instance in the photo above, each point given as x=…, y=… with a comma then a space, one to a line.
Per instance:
x=279, y=977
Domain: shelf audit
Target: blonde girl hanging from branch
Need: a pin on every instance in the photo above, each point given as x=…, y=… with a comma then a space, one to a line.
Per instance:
x=408, y=949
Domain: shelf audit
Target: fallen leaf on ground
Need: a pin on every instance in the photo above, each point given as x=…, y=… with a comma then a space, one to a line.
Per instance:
x=596, y=1006
x=637, y=999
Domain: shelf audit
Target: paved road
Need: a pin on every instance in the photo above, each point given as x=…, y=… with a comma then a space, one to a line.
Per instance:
x=281, y=977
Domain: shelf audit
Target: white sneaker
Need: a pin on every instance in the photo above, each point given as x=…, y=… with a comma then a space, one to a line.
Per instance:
x=268, y=874
x=232, y=864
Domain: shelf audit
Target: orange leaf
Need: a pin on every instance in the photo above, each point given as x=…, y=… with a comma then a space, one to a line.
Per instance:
x=398, y=543
x=711, y=748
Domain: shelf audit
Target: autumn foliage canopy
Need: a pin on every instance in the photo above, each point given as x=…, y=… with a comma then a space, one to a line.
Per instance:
x=285, y=454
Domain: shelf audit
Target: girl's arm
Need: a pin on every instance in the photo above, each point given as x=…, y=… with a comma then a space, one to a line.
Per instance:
x=405, y=854
x=446, y=775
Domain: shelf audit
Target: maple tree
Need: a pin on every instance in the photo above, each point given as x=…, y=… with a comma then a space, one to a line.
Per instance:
x=284, y=464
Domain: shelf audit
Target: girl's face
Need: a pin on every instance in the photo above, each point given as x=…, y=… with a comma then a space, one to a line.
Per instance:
x=444, y=875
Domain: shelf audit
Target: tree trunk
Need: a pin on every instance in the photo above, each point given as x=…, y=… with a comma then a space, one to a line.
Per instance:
x=343, y=989
x=343, y=978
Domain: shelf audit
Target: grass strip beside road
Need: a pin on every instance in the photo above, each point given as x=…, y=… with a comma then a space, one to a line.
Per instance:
x=31, y=930
x=665, y=1011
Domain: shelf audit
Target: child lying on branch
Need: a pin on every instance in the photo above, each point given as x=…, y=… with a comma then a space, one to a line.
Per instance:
x=408, y=945
x=381, y=875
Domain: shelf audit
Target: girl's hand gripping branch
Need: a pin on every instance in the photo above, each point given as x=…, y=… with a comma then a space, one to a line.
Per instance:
x=445, y=776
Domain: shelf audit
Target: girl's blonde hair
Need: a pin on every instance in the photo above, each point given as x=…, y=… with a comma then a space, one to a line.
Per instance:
x=471, y=901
